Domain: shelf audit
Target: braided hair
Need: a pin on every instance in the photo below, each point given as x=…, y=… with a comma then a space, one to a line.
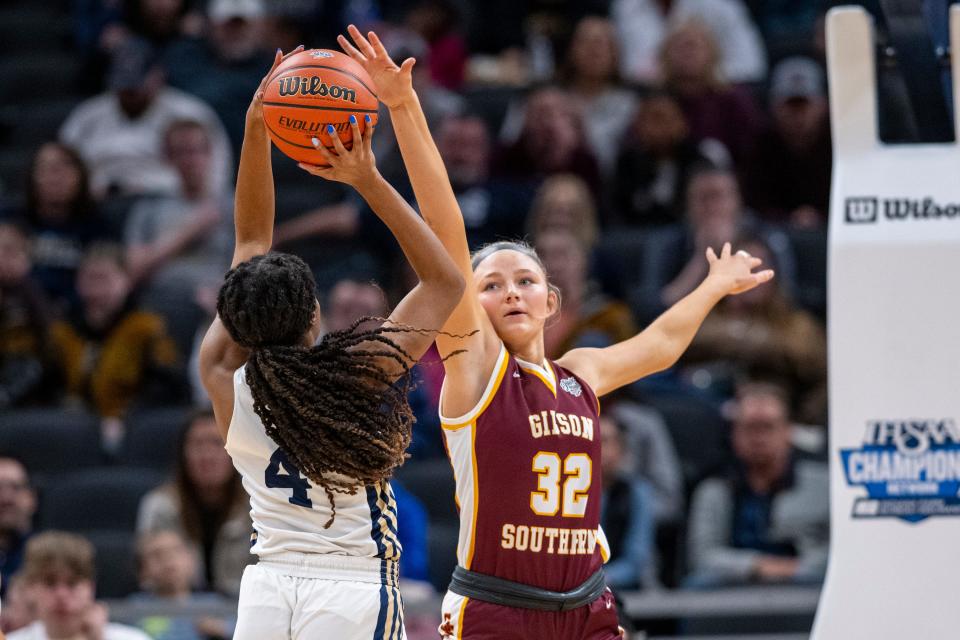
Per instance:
x=332, y=408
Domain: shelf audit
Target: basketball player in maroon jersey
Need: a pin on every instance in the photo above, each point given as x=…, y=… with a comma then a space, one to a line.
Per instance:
x=522, y=431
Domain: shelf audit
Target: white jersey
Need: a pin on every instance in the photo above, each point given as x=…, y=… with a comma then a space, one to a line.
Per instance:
x=289, y=511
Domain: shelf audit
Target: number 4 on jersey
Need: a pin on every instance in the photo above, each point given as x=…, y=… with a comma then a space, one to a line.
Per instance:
x=291, y=479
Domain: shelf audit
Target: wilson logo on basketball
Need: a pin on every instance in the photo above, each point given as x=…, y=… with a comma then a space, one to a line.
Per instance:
x=314, y=86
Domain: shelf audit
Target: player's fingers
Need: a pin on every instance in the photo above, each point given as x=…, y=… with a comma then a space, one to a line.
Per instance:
x=755, y=262
x=407, y=66
x=711, y=255
x=263, y=82
x=297, y=50
x=368, y=139
x=361, y=42
x=725, y=252
x=355, y=132
x=329, y=157
x=764, y=276
x=350, y=50
x=315, y=170
x=335, y=139
x=378, y=47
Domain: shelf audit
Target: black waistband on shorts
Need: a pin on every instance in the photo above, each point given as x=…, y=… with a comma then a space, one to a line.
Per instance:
x=514, y=594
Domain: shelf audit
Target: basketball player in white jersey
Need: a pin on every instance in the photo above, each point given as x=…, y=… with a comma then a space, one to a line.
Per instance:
x=316, y=429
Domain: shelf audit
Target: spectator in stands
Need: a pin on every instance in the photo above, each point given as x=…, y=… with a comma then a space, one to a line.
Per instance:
x=627, y=513
x=59, y=573
x=102, y=26
x=351, y=299
x=644, y=24
x=119, y=133
x=221, y=68
x=436, y=21
x=177, y=243
x=714, y=109
x=206, y=503
x=62, y=219
x=588, y=318
x=492, y=209
x=564, y=202
x=715, y=214
x=18, y=504
x=551, y=141
x=762, y=333
x=27, y=368
x=656, y=160
x=19, y=608
x=112, y=354
x=651, y=456
x=787, y=178
x=592, y=78
x=167, y=568
x=767, y=519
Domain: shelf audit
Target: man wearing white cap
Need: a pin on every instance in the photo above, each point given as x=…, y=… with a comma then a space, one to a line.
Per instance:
x=222, y=68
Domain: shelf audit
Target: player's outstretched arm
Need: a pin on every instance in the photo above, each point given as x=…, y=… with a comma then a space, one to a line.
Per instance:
x=439, y=207
x=428, y=305
x=661, y=344
x=254, y=199
x=220, y=356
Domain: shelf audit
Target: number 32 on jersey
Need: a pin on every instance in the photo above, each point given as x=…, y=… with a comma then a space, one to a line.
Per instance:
x=562, y=485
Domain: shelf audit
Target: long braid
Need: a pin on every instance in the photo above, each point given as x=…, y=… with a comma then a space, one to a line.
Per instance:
x=333, y=410
x=339, y=415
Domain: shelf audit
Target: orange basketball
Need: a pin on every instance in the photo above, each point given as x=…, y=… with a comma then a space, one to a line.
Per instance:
x=311, y=90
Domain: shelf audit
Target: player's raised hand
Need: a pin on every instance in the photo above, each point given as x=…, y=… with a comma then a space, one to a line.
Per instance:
x=256, y=104
x=734, y=272
x=394, y=84
x=352, y=166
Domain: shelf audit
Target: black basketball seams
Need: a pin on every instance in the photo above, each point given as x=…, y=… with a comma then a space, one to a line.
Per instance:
x=301, y=146
x=288, y=105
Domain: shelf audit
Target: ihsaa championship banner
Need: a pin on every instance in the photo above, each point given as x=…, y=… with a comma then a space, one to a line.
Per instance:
x=894, y=357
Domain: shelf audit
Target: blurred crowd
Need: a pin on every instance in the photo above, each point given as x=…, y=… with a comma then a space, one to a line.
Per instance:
x=621, y=137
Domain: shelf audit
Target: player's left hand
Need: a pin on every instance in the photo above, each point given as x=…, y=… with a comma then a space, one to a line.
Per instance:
x=734, y=272
x=394, y=84
x=353, y=166
x=255, y=110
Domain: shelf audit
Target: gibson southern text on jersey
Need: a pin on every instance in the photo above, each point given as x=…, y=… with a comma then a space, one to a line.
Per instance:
x=552, y=423
x=564, y=542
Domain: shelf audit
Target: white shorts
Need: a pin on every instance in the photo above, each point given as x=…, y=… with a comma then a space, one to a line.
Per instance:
x=314, y=597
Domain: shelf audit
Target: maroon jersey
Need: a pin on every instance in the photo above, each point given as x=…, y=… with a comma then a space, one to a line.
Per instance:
x=527, y=466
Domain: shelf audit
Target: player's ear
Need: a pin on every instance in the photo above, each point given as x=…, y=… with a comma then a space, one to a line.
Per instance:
x=554, y=300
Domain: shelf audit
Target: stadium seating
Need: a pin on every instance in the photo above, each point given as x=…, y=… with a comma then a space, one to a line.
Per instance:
x=115, y=563
x=152, y=437
x=51, y=440
x=96, y=499
x=697, y=429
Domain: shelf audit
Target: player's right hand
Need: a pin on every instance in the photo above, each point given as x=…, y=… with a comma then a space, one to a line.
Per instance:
x=354, y=166
x=394, y=84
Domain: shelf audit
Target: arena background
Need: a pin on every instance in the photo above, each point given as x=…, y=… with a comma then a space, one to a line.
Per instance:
x=620, y=137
